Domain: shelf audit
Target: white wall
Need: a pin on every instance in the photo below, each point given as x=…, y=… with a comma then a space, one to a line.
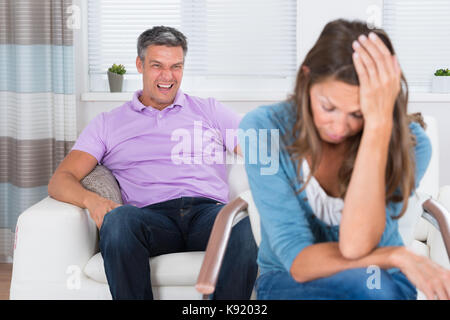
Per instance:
x=312, y=17
x=314, y=14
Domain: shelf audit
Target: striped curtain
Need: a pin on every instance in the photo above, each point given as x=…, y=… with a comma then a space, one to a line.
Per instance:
x=37, y=104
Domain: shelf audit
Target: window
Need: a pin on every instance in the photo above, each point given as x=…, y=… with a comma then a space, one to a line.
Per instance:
x=420, y=32
x=232, y=44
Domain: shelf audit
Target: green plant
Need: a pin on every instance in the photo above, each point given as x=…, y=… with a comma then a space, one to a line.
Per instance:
x=442, y=72
x=119, y=69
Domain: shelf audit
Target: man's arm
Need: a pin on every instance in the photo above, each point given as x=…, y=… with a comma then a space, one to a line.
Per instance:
x=65, y=183
x=238, y=150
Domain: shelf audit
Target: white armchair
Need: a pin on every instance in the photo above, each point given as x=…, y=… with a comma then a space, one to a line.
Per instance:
x=56, y=255
x=425, y=226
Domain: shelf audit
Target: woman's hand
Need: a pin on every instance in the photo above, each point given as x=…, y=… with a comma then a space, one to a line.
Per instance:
x=379, y=77
x=429, y=277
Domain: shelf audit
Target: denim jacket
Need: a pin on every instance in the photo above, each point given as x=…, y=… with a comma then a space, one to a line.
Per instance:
x=288, y=224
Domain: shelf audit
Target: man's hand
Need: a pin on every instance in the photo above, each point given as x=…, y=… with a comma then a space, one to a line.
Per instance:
x=98, y=207
x=237, y=150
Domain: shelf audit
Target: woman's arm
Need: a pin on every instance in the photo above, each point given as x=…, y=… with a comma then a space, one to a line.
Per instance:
x=364, y=216
x=364, y=213
x=325, y=259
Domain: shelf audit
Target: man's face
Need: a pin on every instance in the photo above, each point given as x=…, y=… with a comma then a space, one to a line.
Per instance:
x=162, y=72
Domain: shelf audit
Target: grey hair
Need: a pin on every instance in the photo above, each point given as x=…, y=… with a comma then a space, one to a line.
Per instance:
x=163, y=36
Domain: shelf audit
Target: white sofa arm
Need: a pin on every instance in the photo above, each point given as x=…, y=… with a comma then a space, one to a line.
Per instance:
x=435, y=238
x=54, y=239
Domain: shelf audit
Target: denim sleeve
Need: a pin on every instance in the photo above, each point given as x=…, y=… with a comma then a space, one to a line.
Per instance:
x=283, y=222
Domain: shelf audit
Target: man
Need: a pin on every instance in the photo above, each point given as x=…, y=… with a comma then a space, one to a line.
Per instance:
x=170, y=202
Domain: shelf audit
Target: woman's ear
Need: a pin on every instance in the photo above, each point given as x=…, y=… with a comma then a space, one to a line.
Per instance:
x=305, y=69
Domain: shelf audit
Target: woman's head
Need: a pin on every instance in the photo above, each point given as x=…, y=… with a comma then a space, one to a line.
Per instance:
x=328, y=110
x=329, y=79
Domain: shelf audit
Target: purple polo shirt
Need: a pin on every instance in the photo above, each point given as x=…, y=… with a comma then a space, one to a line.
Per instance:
x=162, y=155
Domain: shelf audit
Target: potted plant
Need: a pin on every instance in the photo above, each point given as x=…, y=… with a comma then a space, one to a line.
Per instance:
x=441, y=81
x=115, y=77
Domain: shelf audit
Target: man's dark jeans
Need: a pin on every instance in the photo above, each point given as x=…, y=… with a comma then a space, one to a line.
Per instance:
x=130, y=235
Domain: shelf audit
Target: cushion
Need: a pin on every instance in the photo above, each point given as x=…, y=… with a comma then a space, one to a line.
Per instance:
x=173, y=269
x=420, y=248
x=102, y=181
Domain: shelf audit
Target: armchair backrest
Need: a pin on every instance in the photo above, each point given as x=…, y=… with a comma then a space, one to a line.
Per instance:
x=429, y=186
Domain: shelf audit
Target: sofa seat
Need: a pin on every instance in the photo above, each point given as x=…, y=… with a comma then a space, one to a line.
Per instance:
x=174, y=269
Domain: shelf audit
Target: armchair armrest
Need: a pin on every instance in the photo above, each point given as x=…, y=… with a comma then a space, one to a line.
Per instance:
x=438, y=216
x=230, y=215
x=52, y=236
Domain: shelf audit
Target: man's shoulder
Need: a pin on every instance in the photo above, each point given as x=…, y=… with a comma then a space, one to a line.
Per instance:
x=200, y=102
x=119, y=110
x=117, y=113
x=210, y=108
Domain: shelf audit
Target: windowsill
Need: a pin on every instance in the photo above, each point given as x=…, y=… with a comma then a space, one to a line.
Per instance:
x=246, y=96
x=219, y=95
x=429, y=97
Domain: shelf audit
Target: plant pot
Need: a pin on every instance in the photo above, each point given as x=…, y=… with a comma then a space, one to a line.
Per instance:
x=440, y=84
x=115, y=82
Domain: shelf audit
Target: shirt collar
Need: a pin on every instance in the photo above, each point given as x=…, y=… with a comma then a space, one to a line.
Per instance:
x=137, y=105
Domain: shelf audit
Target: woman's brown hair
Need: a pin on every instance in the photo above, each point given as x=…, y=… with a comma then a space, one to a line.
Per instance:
x=331, y=58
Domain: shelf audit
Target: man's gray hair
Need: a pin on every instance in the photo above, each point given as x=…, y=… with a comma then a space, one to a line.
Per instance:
x=162, y=36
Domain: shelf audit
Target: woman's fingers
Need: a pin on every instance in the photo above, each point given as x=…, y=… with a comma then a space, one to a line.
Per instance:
x=447, y=284
x=445, y=280
x=428, y=277
x=377, y=58
x=367, y=61
x=437, y=283
x=397, y=68
x=360, y=69
x=377, y=48
x=429, y=293
x=441, y=293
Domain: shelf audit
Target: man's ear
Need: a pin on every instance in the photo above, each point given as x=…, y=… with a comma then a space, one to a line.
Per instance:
x=139, y=65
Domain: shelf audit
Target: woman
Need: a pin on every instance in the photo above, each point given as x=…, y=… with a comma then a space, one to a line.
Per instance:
x=349, y=158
